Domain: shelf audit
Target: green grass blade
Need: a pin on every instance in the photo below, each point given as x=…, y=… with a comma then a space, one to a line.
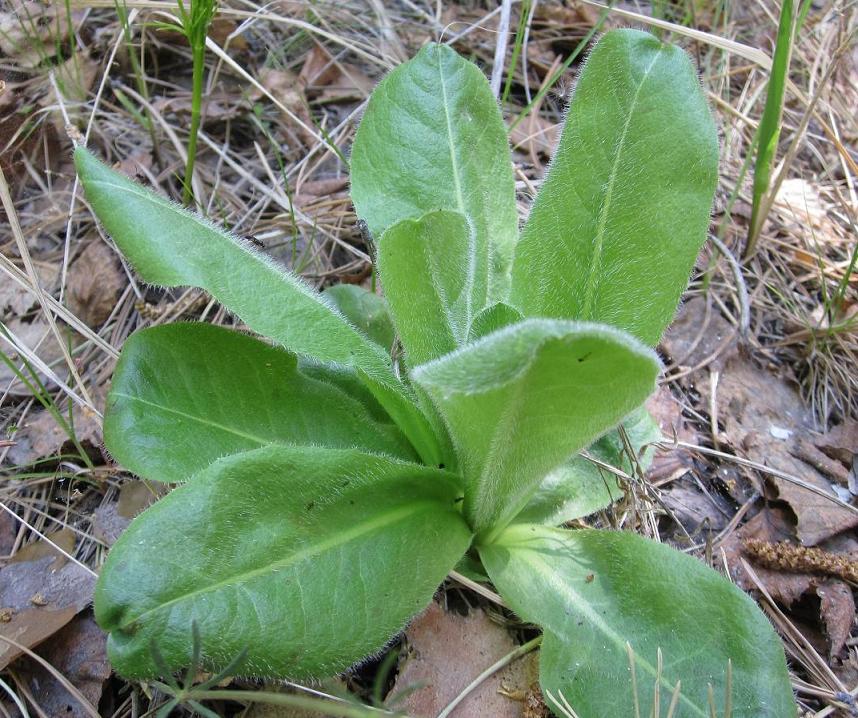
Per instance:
x=770, y=123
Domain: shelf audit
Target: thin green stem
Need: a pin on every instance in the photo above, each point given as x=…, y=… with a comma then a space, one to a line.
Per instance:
x=769, y=129
x=196, y=117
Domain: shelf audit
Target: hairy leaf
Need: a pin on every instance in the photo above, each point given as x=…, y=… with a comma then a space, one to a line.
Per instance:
x=594, y=591
x=580, y=487
x=432, y=138
x=184, y=395
x=523, y=399
x=366, y=310
x=170, y=246
x=306, y=558
x=423, y=266
x=492, y=318
x=618, y=222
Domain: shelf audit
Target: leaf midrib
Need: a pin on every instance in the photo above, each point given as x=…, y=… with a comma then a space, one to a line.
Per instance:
x=581, y=604
x=205, y=422
x=460, y=200
x=377, y=522
x=604, y=210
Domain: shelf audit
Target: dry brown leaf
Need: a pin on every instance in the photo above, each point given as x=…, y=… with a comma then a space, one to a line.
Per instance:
x=110, y=520
x=15, y=300
x=40, y=435
x=696, y=510
x=62, y=593
x=837, y=610
x=8, y=533
x=64, y=539
x=30, y=30
x=75, y=78
x=318, y=68
x=836, y=605
x=693, y=338
x=284, y=85
x=79, y=652
x=220, y=30
x=215, y=106
x=535, y=136
x=95, y=282
x=840, y=443
x=667, y=412
x=311, y=192
x=799, y=200
x=445, y=652
x=35, y=336
x=766, y=421
x=133, y=164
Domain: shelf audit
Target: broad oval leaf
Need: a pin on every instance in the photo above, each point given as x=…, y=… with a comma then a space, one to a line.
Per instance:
x=594, y=591
x=170, y=246
x=306, y=558
x=423, y=265
x=621, y=217
x=432, y=137
x=580, y=487
x=523, y=399
x=184, y=395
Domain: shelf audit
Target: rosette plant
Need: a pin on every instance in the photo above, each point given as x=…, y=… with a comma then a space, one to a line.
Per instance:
x=326, y=489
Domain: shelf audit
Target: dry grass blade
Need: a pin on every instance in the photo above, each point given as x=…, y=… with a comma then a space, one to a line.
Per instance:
x=477, y=588
x=47, y=539
x=12, y=215
x=16, y=275
x=511, y=657
x=736, y=48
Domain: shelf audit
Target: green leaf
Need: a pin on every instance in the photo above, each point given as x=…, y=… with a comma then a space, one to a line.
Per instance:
x=492, y=318
x=593, y=591
x=522, y=400
x=366, y=310
x=423, y=265
x=170, y=246
x=579, y=487
x=184, y=395
x=432, y=138
x=621, y=217
x=307, y=558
